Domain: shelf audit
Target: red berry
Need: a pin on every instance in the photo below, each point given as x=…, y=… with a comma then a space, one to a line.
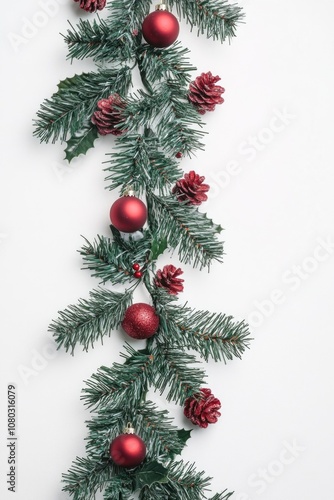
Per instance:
x=138, y=274
x=136, y=267
x=179, y=155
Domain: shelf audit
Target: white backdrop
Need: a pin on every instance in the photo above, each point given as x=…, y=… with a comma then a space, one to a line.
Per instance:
x=269, y=162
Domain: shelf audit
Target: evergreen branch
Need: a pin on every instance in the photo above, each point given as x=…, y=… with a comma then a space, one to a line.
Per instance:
x=86, y=477
x=173, y=370
x=217, y=18
x=90, y=320
x=106, y=260
x=133, y=11
x=112, y=260
x=169, y=113
x=171, y=63
x=176, y=128
x=215, y=336
x=224, y=495
x=119, y=488
x=102, y=42
x=72, y=106
x=122, y=384
x=103, y=428
x=139, y=163
x=156, y=429
x=184, y=482
x=186, y=228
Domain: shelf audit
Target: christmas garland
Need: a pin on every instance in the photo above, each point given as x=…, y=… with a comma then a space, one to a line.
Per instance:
x=132, y=445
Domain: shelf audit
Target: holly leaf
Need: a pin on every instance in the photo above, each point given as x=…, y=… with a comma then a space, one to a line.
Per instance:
x=81, y=142
x=183, y=435
x=150, y=473
x=158, y=247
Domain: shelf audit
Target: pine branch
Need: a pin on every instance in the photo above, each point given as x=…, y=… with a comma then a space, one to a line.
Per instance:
x=170, y=63
x=175, y=371
x=186, y=228
x=212, y=335
x=169, y=114
x=139, y=163
x=184, y=482
x=91, y=319
x=110, y=40
x=112, y=260
x=122, y=384
x=101, y=41
x=119, y=488
x=86, y=477
x=72, y=106
x=217, y=18
x=222, y=496
x=156, y=429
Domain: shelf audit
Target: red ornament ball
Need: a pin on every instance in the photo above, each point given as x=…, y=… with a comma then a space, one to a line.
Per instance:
x=128, y=214
x=136, y=266
x=128, y=450
x=140, y=321
x=138, y=274
x=160, y=28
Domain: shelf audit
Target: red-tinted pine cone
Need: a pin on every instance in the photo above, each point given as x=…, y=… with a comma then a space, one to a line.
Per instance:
x=168, y=279
x=109, y=115
x=92, y=5
x=204, y=93
x=203, y=408
x=191, y=188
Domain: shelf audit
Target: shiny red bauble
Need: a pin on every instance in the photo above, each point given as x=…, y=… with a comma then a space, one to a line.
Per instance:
x=160, y=28
x=128, y=214
x=140, y=321
x=128, y=450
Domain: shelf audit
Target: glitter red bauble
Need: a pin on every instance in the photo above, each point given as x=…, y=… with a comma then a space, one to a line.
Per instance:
x=128, y=214
x=140, y=321
x=128, y=450
x=160, y=28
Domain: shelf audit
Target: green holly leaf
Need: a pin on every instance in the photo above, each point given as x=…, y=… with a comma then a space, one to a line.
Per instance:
x=158, y=247
x=183, y=435
x=81, y=142
x=150, y=473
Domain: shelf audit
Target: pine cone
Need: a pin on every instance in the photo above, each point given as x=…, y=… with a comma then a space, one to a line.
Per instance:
x=167, y=278
x=109, y=115
x=204, y=94
x=202, y=408
x=191, y=188
x=92, y=5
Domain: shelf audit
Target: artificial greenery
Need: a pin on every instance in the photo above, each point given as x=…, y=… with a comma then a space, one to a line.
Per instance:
x=158, y=122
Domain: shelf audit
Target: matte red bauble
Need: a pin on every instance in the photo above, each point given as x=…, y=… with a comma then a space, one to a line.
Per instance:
x=128, y=214
x=140, y=321
x=128, y=450
x=160, y=28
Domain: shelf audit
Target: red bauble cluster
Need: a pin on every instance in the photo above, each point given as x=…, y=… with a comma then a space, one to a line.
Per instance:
x=191, y=188
x=128, y=450
x=160, y=28
x=168, y=278
x=128, y=214
x=92, y=5
x=140, y=321
x=137, y=272
x=202, y=408
x=204, y=94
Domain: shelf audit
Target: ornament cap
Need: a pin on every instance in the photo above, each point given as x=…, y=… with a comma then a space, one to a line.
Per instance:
x=129, y=429
x=129, y=191
x=161, y=6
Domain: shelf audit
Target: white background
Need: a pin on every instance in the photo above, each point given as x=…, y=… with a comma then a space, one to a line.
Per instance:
x=269, y=161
